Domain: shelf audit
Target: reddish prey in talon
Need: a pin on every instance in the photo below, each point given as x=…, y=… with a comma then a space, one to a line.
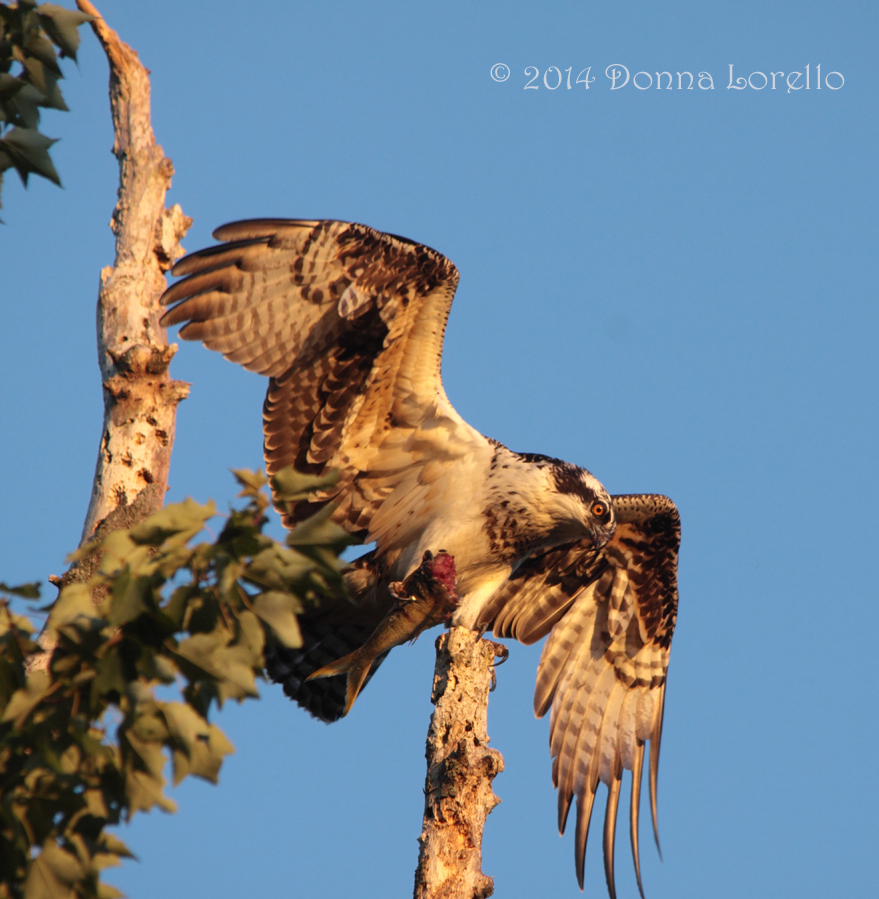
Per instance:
x=426, y=598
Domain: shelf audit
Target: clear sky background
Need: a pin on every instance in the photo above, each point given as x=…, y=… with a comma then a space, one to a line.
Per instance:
x=673, y=288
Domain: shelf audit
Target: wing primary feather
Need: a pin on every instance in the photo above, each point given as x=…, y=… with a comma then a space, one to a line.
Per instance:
x=584, y=814
x=259, y=229
x=564, y=807
x=635, y=812
x=654, y=763
x=610, y=828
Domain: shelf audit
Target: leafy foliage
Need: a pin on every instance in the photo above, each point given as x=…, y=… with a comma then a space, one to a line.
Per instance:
x=29, y=75
x=159, y=611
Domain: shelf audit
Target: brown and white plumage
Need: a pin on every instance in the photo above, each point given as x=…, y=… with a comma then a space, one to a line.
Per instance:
x=348, y=324
x=610, y=616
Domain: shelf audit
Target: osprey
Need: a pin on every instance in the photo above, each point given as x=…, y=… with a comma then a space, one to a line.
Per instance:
x=348, y=324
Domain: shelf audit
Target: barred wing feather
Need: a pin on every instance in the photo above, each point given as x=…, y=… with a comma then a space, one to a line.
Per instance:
x=348, y=324
x=603, y=668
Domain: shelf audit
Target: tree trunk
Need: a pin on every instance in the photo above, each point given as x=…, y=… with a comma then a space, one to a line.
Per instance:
x=460, y=770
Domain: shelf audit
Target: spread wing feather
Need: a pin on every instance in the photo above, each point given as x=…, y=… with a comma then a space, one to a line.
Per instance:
x=348, y=324
x=603, y=669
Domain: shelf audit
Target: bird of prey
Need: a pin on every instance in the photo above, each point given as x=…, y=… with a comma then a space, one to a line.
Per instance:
x=348, y=324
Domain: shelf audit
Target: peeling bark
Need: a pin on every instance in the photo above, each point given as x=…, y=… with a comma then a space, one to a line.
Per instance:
x=140, y=399
x=460, y=769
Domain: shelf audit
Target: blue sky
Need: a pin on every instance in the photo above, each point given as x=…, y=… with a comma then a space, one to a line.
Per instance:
x=673, y=288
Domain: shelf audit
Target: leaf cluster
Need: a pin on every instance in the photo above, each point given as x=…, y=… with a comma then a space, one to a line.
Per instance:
x=31, y=40
x=84, y=744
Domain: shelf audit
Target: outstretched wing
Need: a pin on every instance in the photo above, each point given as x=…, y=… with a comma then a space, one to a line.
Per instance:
x=348, y=323
x=603, y=669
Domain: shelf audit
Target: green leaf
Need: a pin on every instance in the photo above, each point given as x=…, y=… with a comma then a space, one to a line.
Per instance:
x=228, y=582
x=19, y=622
x=253, y=634
x=148, y=728
x=131, y=598
x=179, y=520
x=118, y=649
x=164, y=669
x=11, y=679
x=53, y=874
x=25, y=591
x=191, y=733
x=28, y=150
x=25, y=700
x=278, y=611
x=25, y=107
x=75, y=607
x=52, y=99
x=122, y=554
x=110, y=678
x=39, y=50
x=320, y=530
x=9, y=86
x=62, y=25
x=235, y=666
x=201, y=746
x=172, y=558
x=200, y=648
x=143, y=791
x=289, y=485
x=175, y=608
x=251, y=481
x=96, y=804
x=277, y=567
x=111, y=843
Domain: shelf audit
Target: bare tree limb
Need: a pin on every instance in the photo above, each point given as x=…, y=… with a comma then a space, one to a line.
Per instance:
x=140, y=399
x=460, y=770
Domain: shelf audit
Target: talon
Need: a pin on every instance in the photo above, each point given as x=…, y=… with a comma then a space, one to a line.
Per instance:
x=500, y=651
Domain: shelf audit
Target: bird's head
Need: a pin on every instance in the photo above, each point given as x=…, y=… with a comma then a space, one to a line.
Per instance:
x=586, y=502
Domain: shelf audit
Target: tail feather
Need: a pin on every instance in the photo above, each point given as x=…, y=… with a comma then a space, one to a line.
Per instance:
x=355, y=667
x=334, y=630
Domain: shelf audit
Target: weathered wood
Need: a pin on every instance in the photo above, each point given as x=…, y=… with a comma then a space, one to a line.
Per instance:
x=140, y=399
x=460, y=769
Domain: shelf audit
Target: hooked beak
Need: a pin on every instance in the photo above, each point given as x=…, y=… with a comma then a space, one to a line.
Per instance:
x=601, y=536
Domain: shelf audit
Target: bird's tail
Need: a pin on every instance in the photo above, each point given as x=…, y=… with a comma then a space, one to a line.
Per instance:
x=356, y=666
x=331, y=632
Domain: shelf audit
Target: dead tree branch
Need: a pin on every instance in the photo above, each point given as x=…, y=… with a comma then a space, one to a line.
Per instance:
x=460, y=770
x=140, y=399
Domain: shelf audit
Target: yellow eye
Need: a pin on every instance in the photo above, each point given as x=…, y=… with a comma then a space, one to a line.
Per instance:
x=599, y=510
